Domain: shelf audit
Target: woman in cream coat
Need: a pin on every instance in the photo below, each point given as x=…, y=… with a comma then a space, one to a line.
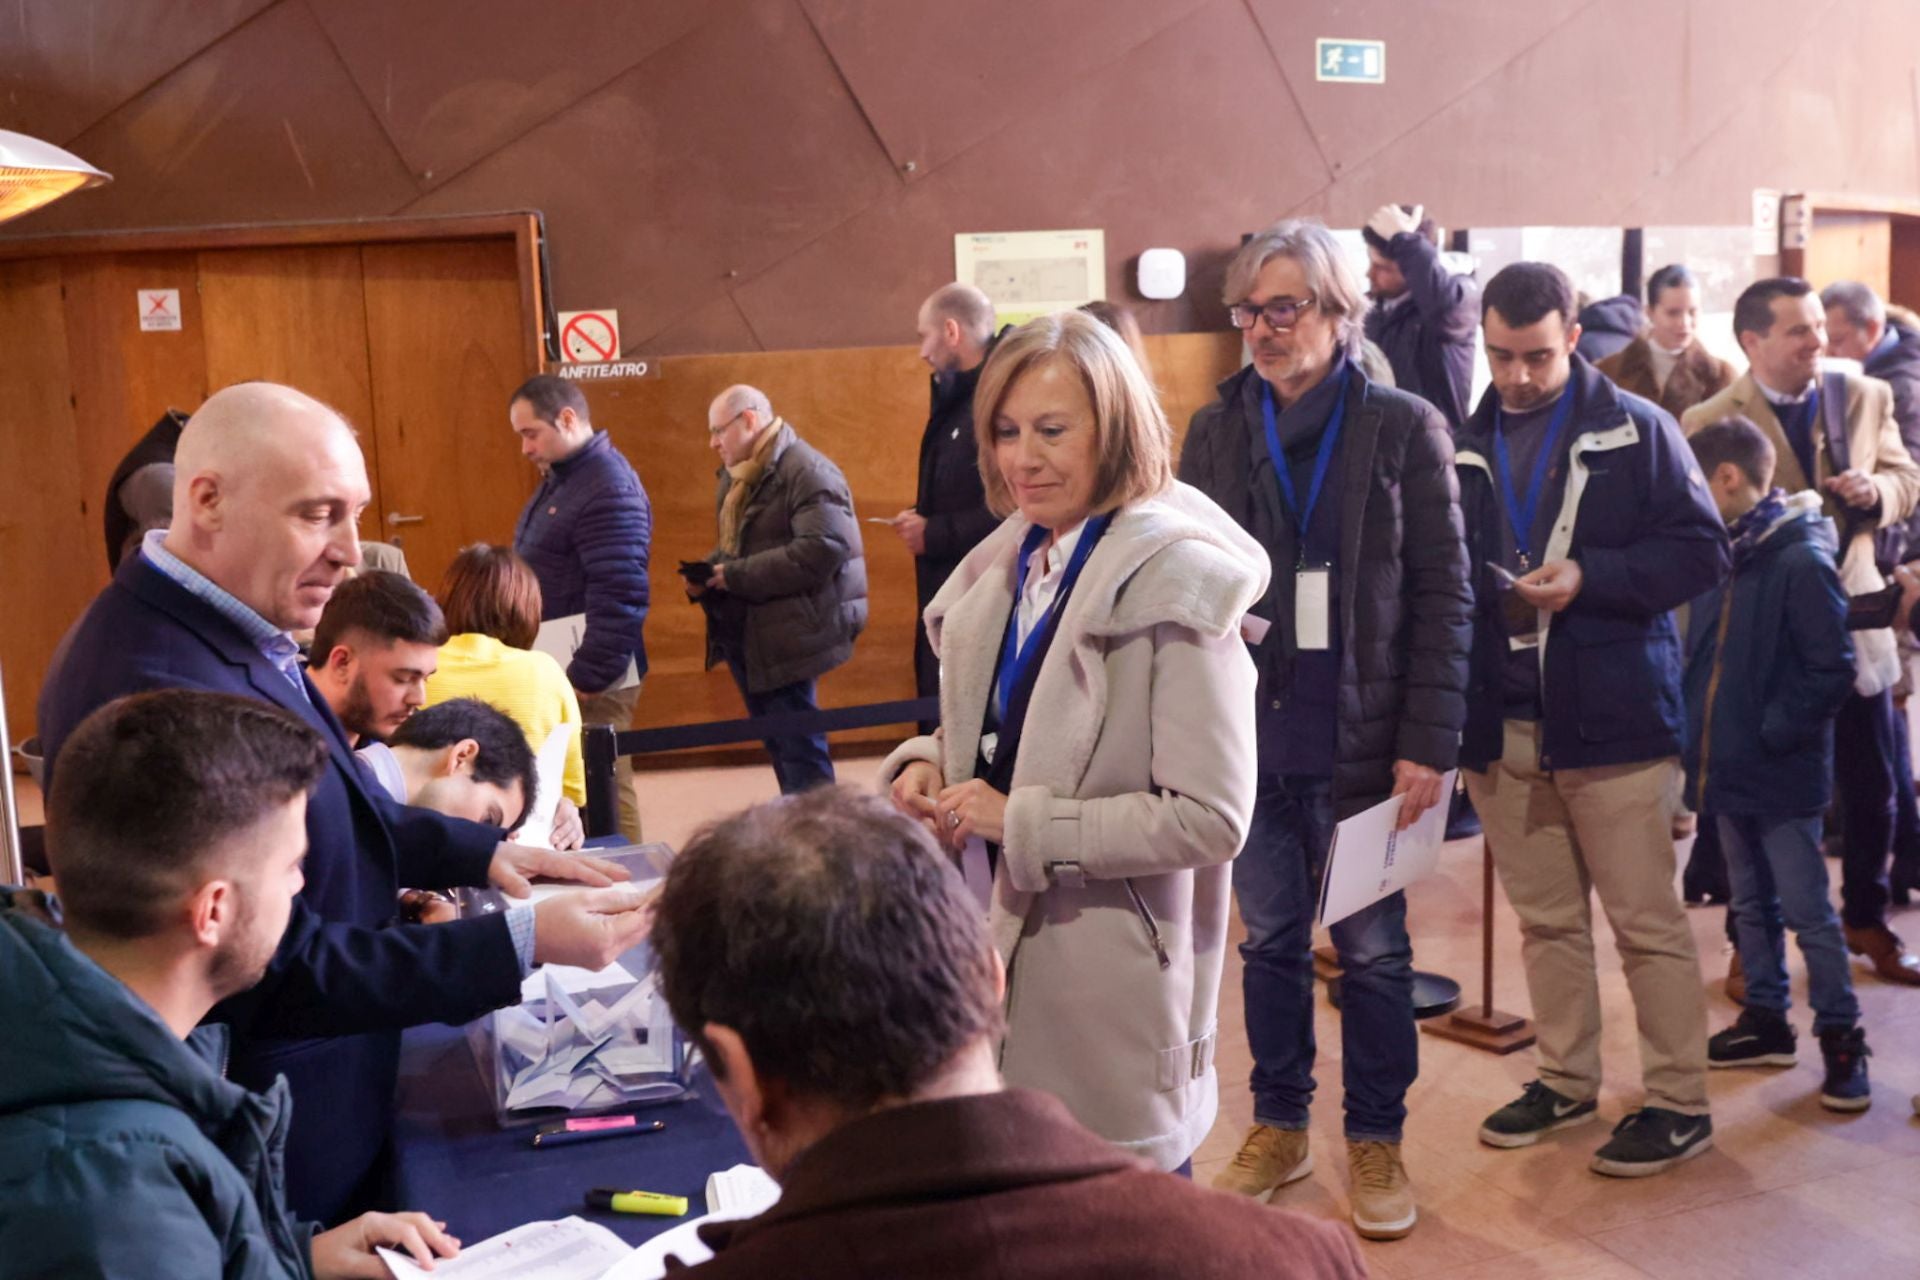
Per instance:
x=1126, y=769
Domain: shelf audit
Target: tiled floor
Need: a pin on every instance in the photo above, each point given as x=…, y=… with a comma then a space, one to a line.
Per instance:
x=1788, y=1190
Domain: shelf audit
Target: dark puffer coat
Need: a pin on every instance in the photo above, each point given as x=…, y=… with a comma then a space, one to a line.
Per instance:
x=797, y=593
x=587, y=532
x=1405, y=603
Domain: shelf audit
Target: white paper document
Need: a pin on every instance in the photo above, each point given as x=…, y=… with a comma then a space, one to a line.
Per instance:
x=559, y=639
x=744, y=1191
x=569, y=1249
x=1369, y=859
x=549, y=772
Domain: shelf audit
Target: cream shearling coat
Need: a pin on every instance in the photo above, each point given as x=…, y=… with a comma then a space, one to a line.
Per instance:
x=1137, y=762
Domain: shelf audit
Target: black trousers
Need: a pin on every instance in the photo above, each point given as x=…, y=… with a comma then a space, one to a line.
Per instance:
x=1863, y=768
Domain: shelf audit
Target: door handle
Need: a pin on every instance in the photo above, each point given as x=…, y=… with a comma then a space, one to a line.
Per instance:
x=395, y=518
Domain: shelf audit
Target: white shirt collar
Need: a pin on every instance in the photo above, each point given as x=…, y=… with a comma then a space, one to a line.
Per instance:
x=1783, y=397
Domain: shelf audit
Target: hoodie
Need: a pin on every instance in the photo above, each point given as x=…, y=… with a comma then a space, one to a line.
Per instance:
x=122, y=1150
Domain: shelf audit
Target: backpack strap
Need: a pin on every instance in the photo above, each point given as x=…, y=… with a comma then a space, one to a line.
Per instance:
x=1833, y=411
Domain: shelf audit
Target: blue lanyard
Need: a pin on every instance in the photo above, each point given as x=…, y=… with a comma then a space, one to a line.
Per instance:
x=1520, y=515
x=1015, y=657
x=1322, y=459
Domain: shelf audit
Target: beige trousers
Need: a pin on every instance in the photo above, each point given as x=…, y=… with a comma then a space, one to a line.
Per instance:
x=615, y=707
x=1557, y=839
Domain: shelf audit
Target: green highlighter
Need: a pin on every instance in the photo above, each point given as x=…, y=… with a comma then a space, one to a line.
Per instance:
x=637, y=1202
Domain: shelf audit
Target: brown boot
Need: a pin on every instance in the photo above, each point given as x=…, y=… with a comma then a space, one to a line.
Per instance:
x=1736, y=979
x=1891, y=959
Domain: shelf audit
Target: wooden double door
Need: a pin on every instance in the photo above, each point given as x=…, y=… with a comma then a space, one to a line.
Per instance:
x=418, y=342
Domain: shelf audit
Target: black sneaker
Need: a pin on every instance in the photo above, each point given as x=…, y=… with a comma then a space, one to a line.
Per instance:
x=1535, y=1113
x=1652, y=1140
x=1760, y=1038
x=1845, y=1053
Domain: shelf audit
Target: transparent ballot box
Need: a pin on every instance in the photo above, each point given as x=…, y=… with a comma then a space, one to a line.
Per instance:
x=579, y=1042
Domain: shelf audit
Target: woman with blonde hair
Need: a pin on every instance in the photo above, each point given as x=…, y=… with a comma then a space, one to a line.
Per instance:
x=491, y=600
x=1094, y=769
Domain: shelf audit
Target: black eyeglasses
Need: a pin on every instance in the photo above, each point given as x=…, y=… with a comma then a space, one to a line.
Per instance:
x=1280, y=313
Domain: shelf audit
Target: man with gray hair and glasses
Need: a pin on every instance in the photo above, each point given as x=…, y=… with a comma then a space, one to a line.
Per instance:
x=1361, y=644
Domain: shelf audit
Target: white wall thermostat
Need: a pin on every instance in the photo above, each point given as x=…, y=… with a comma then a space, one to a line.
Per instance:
x=1163, y=273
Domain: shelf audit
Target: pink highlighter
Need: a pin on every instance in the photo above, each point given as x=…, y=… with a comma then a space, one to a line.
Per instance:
x=589, y=1128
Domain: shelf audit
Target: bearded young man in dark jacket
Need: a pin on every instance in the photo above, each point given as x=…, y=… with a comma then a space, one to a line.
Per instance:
x=1588, y=523
x=587, y=532
x=1770, y=665
x=1351, y=489
x=179, y=829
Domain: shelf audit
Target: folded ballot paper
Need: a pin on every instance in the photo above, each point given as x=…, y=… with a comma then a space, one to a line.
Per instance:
x=583, y=1040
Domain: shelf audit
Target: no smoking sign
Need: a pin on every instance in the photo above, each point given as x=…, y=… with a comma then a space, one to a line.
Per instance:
x=588, y=337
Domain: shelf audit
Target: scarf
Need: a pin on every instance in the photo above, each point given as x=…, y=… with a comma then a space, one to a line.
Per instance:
x=1747, y=531
x=746, y=475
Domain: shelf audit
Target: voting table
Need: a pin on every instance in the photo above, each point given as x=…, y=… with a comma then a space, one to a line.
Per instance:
x=452, y=1159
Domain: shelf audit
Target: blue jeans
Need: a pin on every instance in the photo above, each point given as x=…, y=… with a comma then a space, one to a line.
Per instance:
x=800, y=761
x=1780, y=879
x=1277, y=880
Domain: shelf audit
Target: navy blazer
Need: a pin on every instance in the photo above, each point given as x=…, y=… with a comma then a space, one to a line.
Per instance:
x=329, y=1011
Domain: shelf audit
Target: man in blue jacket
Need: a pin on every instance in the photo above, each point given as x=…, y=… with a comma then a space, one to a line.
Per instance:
x=179, y=824
x=586, y=532
x=1769, y=666
x=268, y=485
x=1587, y=522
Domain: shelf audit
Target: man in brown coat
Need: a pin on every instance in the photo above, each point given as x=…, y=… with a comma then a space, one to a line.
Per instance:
x=836, y=974
x=1837, y=434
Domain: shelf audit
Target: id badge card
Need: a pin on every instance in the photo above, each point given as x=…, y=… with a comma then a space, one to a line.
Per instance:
x=1311, y=607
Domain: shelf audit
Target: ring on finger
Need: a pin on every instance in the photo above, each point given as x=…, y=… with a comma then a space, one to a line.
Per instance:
x=953, y=818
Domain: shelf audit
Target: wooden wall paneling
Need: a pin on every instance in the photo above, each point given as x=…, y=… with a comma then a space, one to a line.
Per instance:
x=49, y=525
x=448, y=345
x=1903, y=268
x=124, y=378
x=295, y=316
x=1847, y=245
x=862, y=407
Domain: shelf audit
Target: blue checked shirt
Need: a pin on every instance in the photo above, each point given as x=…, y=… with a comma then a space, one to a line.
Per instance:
x=279, y=648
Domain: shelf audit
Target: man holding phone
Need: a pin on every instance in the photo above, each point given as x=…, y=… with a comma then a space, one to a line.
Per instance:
x=1588, y=523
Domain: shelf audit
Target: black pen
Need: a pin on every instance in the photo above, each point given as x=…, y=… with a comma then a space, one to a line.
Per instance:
x=593, y=1127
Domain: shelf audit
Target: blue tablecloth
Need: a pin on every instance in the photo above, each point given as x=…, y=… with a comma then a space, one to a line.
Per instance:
x=454, y=1161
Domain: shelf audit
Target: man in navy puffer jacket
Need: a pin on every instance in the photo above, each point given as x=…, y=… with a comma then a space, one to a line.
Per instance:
x=587, y=532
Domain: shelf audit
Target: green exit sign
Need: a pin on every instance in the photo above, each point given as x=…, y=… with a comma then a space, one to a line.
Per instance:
x=1350, y=61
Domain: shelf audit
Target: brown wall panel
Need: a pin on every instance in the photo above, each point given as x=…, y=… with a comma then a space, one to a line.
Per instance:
x=862, y=407
x=296, y=316
x=124, y=378
x=446, y=341
x=1849, y=246
x=49, y=530
x=690, y=156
